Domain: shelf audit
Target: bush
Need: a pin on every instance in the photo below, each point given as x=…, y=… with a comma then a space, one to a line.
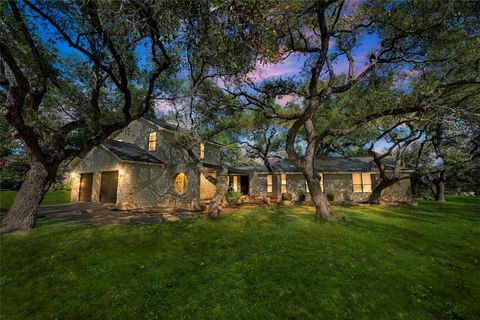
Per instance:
x=13, y=170
x=301, y=196
x=232, y=197
x=330, y=196
x=287, y=196
x=60, y=186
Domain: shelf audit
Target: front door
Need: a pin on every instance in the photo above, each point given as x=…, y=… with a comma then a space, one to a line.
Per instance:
x=108, y=187
x=244, y=184
x=86, y=183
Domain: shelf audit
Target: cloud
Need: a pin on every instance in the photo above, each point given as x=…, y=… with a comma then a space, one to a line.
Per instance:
x=163, y=106
x=290, y=66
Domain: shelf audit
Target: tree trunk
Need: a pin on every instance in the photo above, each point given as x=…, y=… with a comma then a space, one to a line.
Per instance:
x=376, y=194
x=440, y=190
x=22, y=215
x=322, y=206
x=439, y=184
x=221, y=188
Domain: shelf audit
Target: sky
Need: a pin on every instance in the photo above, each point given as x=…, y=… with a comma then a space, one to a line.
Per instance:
x=291, y=66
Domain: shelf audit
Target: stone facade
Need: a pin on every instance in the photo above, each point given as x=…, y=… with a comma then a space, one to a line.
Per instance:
x=143, y=184
x=148, y=177
x=338, y=186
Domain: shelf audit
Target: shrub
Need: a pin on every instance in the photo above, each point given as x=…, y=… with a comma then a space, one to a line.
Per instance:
x=60, y=186
x=287, y=196
x=330, y=196
x=232, y=197
x=301, y=196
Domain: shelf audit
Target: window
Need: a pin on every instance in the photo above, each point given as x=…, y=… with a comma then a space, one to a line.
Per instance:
x=181, y=182
x=235, y=183
x=269, y=183
x=362, y=182
x=152, y=141
x=202, y=151
x=284, y=183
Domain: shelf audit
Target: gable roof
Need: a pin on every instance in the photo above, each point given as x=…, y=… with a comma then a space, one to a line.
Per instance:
x=130, y=152
x=331, y=164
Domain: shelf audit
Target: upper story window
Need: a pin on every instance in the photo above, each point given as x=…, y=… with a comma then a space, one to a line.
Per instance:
x=362, y=182
x=269, y=183
x=202, y=151
x=152, y=141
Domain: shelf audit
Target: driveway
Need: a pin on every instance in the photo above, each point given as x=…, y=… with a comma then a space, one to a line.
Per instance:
x=88, y=213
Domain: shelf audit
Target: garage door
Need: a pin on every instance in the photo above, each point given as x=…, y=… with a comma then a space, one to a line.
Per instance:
x=108, y=187
x=86, y=183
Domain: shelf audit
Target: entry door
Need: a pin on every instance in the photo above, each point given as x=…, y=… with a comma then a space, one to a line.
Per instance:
x=108, y=187
x=244, y=184
x=86, y=183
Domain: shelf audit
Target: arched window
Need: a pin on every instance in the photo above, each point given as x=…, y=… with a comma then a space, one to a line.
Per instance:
x=181, y=182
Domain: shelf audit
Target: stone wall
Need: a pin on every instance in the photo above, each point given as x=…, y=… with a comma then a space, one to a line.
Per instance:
x=212, y=153
x=401, y=192
x=339, y=185
x=296, y=183
x=144, y=185
x=95, y=162
x=166, y=149
x=139, y=185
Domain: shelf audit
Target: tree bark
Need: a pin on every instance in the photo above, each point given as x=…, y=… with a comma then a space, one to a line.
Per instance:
x=440, y=187
x=322, y=206
x=221, y=187
x=22, y=216
x=376, y=194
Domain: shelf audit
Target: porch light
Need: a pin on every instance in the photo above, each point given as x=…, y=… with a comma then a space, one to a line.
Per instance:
x=121, y=172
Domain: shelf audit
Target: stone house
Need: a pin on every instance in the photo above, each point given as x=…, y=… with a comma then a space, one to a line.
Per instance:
x=142, y=166
x=343, y=180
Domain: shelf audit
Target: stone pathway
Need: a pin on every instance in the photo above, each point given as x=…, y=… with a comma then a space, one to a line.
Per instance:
x=88, y=213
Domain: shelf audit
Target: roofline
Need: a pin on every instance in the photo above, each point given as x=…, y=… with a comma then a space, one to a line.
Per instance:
x=155, y=124
x=129, y=161
x=143, y=162
x=299, y=172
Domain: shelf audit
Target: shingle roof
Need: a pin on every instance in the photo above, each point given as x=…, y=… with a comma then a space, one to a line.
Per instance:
x=130, y=152
x=164, y=124
x=354, y=164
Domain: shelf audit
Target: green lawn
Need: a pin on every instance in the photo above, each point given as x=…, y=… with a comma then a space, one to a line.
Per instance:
x=52, y=197
x=274, y=262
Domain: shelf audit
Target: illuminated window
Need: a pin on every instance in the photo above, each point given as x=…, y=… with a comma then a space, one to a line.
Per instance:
x=181, y=183
x=284, y=183
x=362, y=182
x=269, y=183
x=202, y=151
x=235, y=181
x=152, y=141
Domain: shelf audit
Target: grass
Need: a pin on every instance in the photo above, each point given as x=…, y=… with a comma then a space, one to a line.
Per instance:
x=51, y=197
x=274, y=262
